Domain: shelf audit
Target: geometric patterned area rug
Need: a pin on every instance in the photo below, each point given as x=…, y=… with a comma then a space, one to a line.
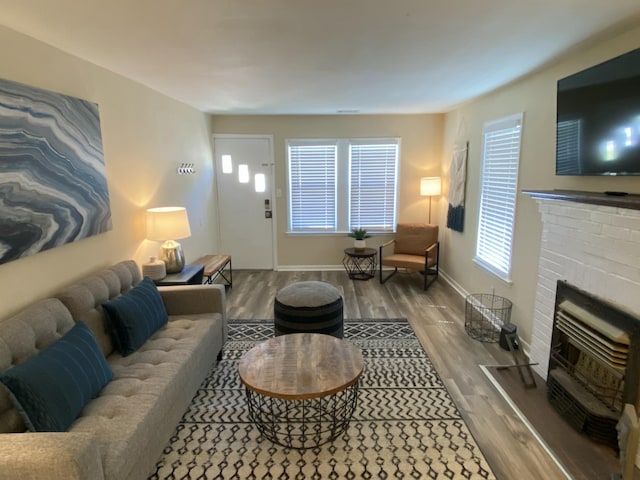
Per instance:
x=405, y=424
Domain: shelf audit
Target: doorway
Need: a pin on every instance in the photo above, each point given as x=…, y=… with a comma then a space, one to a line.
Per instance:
x=244, y=181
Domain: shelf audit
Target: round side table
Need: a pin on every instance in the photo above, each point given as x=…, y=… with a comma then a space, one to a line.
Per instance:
x=360, y=264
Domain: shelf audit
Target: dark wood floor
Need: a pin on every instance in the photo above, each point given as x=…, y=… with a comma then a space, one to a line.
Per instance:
x=437, y=317
x=583, y=458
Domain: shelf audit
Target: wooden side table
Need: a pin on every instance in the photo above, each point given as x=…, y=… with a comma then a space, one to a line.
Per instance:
x=217, y=266
x=190, y=275
x=360, y=264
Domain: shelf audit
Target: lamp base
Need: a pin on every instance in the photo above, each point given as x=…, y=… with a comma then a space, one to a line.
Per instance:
x=172, y=256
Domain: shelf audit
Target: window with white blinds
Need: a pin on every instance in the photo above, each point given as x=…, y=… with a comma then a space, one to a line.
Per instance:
x=312, y=187
x=373, y=179
x=500, y=159
x=339, y=184
x=568, y=133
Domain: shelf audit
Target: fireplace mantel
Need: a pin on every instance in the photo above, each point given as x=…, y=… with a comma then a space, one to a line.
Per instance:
x=630, y=201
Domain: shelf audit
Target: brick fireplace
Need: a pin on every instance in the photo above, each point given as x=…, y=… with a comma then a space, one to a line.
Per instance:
x=590, y=241
x=595, y=247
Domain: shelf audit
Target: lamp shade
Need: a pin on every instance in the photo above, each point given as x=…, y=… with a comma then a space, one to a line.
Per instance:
x=430, y=186
x=167, y=223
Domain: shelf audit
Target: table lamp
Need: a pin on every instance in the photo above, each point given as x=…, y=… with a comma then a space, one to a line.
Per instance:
x=168, y=224
x=430, y=187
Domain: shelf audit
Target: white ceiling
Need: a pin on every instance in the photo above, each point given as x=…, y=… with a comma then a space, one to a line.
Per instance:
x=318, y=56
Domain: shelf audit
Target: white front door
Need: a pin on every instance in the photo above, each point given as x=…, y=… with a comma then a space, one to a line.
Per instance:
x=244, y=175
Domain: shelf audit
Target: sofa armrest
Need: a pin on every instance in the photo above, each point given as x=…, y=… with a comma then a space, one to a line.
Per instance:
x=50, y=456
x=191, y=299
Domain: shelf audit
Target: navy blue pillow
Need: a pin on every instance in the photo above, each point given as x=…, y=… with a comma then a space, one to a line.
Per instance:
x=134, y=316
x=50, y=388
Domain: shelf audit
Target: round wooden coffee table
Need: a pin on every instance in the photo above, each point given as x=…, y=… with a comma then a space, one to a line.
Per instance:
x=302, y=388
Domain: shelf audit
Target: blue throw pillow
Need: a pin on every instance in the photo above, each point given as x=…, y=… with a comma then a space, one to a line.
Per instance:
x=50, y=388
x=134, y=316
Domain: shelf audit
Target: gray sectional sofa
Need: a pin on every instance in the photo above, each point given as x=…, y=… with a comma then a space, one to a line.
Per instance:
x=120, y=433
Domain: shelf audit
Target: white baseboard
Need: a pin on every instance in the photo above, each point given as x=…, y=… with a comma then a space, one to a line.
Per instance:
x=524, y=346
x=309, y=268
x=455, y=285
x=317, y=268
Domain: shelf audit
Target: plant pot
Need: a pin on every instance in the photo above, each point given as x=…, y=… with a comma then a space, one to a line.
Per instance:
x=359, y=245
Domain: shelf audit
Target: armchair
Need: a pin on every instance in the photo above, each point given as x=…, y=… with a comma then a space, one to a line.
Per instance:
x=415, y=247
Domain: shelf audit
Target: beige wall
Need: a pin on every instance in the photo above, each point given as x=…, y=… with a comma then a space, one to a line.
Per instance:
x=145, y=136
x=535, y=96
x=420, y=151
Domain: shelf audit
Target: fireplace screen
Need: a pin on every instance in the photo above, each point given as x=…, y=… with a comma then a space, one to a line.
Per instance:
x=593, y=365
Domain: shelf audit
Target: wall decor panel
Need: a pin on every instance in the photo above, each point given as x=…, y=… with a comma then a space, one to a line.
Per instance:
x=53, y=186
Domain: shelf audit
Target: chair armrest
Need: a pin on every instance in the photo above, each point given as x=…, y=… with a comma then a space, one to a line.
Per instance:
x=386, y=244
x=432, y=252
x=51, y=456
x=192, y=299
x=431, y=248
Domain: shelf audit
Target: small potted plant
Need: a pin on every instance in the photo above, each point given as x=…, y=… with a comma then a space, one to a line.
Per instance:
x=359, y=235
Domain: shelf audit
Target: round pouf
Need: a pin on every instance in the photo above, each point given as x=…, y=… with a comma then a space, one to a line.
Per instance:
x=308, y=307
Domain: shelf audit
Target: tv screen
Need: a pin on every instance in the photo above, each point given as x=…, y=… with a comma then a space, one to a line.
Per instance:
x=598, y=119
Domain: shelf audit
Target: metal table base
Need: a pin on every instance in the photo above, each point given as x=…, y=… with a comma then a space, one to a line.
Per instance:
x=302, y=424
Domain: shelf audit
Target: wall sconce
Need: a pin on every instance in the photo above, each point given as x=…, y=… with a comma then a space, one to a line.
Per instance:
x=430, y=187
x=186, y=169
x=168, y=224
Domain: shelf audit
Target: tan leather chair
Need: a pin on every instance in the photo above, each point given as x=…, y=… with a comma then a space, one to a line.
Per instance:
x=415, y=247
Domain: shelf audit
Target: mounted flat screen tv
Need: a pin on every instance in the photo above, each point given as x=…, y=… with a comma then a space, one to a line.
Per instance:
x=598, y=119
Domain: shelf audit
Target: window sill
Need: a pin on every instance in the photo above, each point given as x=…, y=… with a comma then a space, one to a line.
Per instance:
x=333, y=234
x=316, y=234
x=493, y=271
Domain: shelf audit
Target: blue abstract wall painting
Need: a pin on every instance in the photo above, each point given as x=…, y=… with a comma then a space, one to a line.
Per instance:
x=53, y=187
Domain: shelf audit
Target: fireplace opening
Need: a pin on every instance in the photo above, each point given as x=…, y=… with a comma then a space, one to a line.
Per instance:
x=593, y=363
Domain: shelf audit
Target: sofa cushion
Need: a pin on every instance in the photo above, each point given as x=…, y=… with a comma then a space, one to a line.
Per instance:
x=151, y=388
x=23, y=336
x=135, y=315
x=84, y=299
x=50, y=388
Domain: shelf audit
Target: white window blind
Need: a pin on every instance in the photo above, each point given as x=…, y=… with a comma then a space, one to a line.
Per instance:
x=568, y=147
x=372, y=193
x=336, y=184
x=501, y=156
x=312, y=187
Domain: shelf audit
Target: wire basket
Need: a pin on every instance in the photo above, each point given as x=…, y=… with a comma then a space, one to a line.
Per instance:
x=485, y=314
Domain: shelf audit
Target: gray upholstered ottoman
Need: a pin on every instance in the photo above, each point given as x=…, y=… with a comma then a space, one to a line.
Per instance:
x=309, y=307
